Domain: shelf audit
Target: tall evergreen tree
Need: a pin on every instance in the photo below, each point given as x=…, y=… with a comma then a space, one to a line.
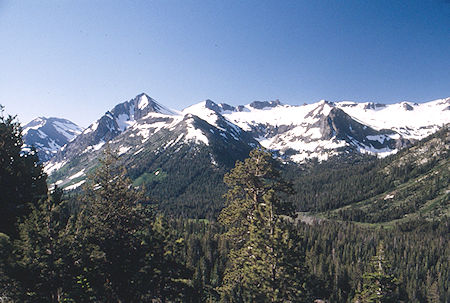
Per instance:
x=22, y=180
x=120, y=249
x=265, y=264
x=379, y=285
x=43, y=251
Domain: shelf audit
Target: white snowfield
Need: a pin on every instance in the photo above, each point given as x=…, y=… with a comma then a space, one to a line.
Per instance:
x=411, y=120
x=279, y=115
x=50, y=166
x=406, y=119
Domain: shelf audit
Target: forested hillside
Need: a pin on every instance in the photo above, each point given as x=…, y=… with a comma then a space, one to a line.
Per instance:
x=112, y=242
x=412, y=184
x=337, y=255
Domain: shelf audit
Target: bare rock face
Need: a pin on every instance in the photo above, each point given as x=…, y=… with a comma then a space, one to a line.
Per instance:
x=406, y=106
x=264, y=104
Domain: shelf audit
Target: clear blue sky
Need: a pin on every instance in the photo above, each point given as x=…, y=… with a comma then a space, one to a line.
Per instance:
x=77, y=59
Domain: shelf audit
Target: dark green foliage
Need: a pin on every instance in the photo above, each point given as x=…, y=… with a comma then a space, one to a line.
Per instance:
x=188, y=185
x=264, y=263
x=8, y=285
x=116, y=249
x=333, y=184
x=43, y=252
x=148, y=178
x=413, y=182
x=205, y=252
x=22, y=181
x=119, y=243
x=379, y=286
x=336, y=255
x=339, y=252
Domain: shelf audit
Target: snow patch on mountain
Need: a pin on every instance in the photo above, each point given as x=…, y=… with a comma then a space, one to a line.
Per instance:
x=51, y=167
x=143, y=102
x=195, y=134
x=123, y=149
x=207, y=111
x=91, y=128
x=379, y=138
x=77, y=175
x=74, y=186
x=202, y=111
x=138, y=151
x=287, y=128
x=94, y=147
x=153, y=124
x=380, y=152
x=124, y=121
x=173, y=142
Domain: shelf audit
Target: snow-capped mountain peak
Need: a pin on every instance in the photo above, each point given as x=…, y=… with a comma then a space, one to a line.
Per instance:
x=125, y=114
x=135, y=113
x=145, y=104
x=48, y=135
x=34, y=124
x=143, y=101
x=206, y=110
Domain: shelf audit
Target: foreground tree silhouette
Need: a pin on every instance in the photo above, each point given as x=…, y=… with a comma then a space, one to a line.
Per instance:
x=265, y=263
x=22, y=180
x=120, y=249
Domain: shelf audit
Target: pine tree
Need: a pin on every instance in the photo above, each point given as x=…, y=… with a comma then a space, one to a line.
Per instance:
x=120, y=247
x=43, y=251
x=265, y=264
x=379, y=285
x=22, y=180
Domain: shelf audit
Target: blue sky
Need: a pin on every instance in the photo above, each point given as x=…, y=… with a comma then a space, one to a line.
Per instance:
x=77, y=59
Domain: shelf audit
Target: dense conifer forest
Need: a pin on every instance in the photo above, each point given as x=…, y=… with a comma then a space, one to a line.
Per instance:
x=323, y=231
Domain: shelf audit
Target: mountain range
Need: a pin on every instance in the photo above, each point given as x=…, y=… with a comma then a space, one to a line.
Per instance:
x=225, y=133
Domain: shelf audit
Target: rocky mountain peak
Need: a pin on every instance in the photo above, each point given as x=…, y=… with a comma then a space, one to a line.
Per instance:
x=407, y=106
x=48, y=135
x=265, y=104
x=212, y=106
